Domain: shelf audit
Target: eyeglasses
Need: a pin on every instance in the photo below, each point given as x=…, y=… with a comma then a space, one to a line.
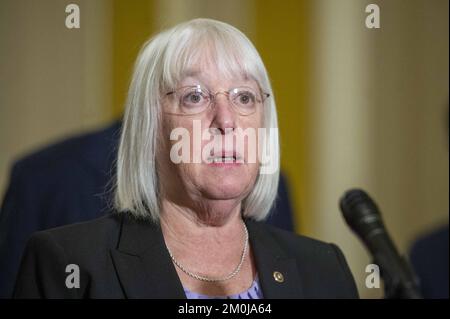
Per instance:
x=191, y=100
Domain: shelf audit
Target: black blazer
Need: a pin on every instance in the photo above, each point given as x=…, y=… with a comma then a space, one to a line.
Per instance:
x=120, y=257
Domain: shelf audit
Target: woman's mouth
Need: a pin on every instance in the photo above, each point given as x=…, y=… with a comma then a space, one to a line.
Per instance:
x=225, y=160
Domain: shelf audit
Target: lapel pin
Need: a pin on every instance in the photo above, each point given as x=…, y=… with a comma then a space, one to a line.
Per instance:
x=278, y=276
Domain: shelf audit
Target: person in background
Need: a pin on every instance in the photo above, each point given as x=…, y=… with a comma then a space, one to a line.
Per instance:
x=429, y=258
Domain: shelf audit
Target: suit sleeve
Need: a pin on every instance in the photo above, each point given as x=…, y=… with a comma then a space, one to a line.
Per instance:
x=42, y=272
x=18, y=220
x=350, y=290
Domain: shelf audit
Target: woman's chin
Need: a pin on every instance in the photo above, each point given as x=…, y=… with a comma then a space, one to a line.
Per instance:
x=225, y=189
x=225, y=182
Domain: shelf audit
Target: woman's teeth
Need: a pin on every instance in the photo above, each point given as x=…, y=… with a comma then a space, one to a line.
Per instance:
x=228, y=159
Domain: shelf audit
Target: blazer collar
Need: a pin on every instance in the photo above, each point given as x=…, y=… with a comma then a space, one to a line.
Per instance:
x=145, y=269
x=277, y=272
x=143, y=264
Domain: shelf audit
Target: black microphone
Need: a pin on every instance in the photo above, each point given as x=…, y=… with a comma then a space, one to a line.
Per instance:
x=362, y=215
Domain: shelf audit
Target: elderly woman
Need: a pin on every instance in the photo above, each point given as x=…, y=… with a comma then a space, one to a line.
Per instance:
x=189, y=227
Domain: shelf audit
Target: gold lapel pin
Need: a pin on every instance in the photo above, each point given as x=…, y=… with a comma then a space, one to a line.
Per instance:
x=278, y=276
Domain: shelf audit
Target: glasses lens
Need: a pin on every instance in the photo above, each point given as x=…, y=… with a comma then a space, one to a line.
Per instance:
x=193, y=100
x=244, y=99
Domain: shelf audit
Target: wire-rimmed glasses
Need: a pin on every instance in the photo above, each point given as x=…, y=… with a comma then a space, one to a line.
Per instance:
x=191, y=100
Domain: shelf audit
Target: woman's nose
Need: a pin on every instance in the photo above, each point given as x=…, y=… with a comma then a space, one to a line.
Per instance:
x=224, y=115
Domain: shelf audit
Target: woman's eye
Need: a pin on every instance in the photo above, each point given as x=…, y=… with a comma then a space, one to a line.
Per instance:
x=193, y=98
x=246, y=98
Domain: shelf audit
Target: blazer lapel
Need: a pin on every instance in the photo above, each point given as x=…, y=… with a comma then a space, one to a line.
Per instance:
x=278, y=273
x=142, y=263
x=145, y=269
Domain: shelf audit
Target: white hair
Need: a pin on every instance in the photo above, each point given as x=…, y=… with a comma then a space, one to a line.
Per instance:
x=161, y=64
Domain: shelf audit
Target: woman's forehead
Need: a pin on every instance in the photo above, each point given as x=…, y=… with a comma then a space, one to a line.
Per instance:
x=212, y=76
x=208, y=61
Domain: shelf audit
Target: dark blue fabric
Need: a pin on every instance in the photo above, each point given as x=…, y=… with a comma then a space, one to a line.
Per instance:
x=281, y=214
x=65, y=183
x=429, y=258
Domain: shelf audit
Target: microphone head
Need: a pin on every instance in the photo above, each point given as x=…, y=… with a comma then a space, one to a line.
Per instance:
x=361, y=213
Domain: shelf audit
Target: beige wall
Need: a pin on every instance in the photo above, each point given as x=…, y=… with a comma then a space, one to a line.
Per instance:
x=53, y=81
x=236, y=12
x=378, y=113
x=411, y=113
x=341, y=116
